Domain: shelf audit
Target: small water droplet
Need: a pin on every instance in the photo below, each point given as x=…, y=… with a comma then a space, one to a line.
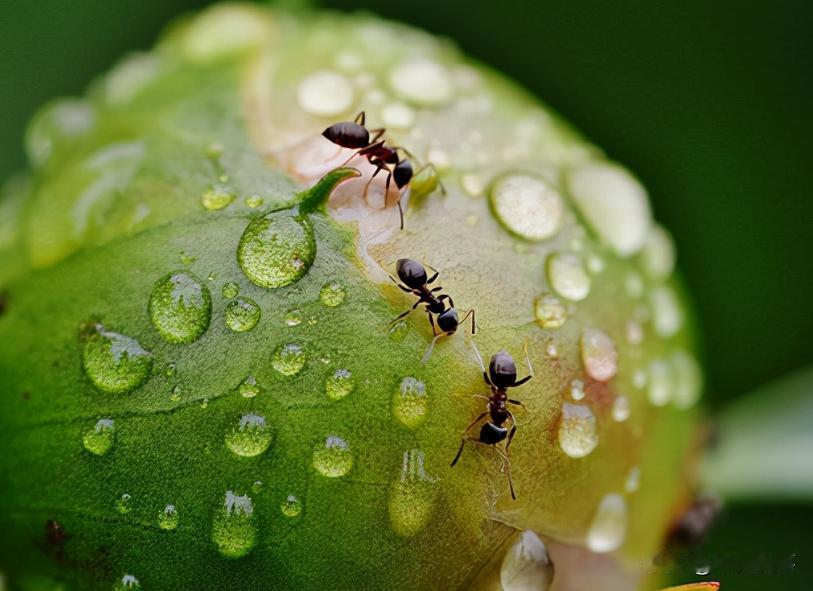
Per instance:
x=634, y=332
x=666, y=313
x=527, y=206
x=339, y=384
x=473, y=184
x=288, y=359
x=410, y=403
x=567, y=276
x=659, y=390
x=332, y=294
x=123, y=504
x=276, y=250
x=249, y=388
x=293, y=317
x=577, y=390
x=526, y=565
x=658, y=254
x=621, y=408
x=549, y=311
x=398, y=116
x=254, y=201
x=113, y=362
x=577, y=430
x=609, y=526
x=291, y=506
x=241, y=314
x=204, y=404
x=211, y=276
x=187, y=259
x=257, y=486
x=251, y=437
x=333, y=458
x=180, y=307
x=100, y=438
x=399, y=331
x=168, y=518
x=703, y=570
x=230, y=290
x=634, y=285
x=127, y=583
x=633, y=481
x=217, y=197
x=175, y=396
x=595, y=264
x=233, y=529
x=411, y=497
x=551, y=350
x=325, y=94
x=170, y=370
x=422, y=82
x=688, y=379
x=639, y=378
x=599, y=356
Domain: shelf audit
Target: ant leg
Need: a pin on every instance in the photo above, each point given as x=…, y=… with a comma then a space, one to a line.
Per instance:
x=517, y=403
x=434, y=289
x=460, y=451
x=396, y=282
x=433, y=277
x=377, y=134
x=371, y=147
x=360, y=118
x=510, y=437
x=483, y=396
x=507, y=459
x=402, y=314
x=474, y=422
x=432, y=323
x=470, y=313
x=447, y=297
x=432, y=344
x=367, y=186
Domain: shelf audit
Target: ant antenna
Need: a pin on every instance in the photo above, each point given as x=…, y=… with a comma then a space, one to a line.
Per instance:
x=528, y=359
x=431, y=346
x=479, y=357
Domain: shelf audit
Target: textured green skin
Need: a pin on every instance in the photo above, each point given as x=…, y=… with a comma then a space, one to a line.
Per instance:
x=173, y=452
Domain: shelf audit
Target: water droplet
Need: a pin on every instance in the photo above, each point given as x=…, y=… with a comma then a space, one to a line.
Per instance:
x=293, y=317
x=257, y=486
x=621, y=408
x=411, y=497
x=127, y=583
x=410, y=403
x=59, y=122
x=241, y=314
x=659, y=390
x=123, y=504
x=333, y=458
x=633, y=481
x=180, y=307
x=634, y=332
x=549, y=311
x=577, y=390
x=634, y=285
x=567, y=276
x=527, y=206
x=332, y=294
x=595, y=264
x=187, y=259
x=526, y=565
x=609, y=526
x=230, y=290
x=473, y=184
x=666, y=312
x=233, y=529
x=339, y=384
x=251, y=437
x=291, y=506
x=325, y=94
x=688, y=379
x=599, y=356
x=551, y=350
x=168, y=518
x=170, y=370
x=423, y=82
x=100, y=438
x=113, y=362
x=577, y=430
x=399, y=331
x=614, y=203
x=276, y=250
x=254, y=201
x=249, y=388
x=398, y=116
x=658, y=255
x=175, y=396
x=703, y=570
x=288, y=359
x=639, y=378
x=217, y=197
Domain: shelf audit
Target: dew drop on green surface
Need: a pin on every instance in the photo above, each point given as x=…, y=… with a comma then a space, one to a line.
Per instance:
x=667, y=316
x=288, y=359
x=60, y=122
x=276, y=250
x=233, y=529
x=410, y=403
x=241, y=314
x=688, y=379
x=567, y=276
x=217, y=197
x=549, y=311
x=123, y=505
x=621, y=408
x=180, y=307
x=257, y=486
x=333, y=457
x=609, y=525
x=526, y=565
x=254, y=201
x=175, y=395
x=411, y=497
x=332, y=294
x=599, y=356
x=291, y=506
x=398, y=331
x=293, y=317
x=249, y=388
x=170, y=370
x=339, y=384
x=114, y=362
x=168, y=518
x=659, y=383
x=577, y=430
x=187, y=259
x=230, y=290
x=100, y=438
x=127, y=583
x=633, y=482
x=250, y=437
x=527, y=206
x=577, y=389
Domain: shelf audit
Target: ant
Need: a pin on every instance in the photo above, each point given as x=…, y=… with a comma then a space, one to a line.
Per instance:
x=414, y=280
x=354, y=135
x=501, y=375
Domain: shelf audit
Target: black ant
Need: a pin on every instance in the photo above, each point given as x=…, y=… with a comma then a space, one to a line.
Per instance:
x=354, y=135
x=414, y=280
x=501, y=375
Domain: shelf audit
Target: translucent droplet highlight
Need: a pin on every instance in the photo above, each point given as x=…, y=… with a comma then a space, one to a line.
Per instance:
x=527, y=206
x=526, y=565
x=276, y=250
x=609, y=526
x=621, y=408
x=289, y=359
x=250, y=437
x=339, y=384
x=168, y=518
x=549, y=311
x=127, y=583
x=230, y=290
x=332, y=294
x=599, y=355
x=123, y=504
x=241, y=314
x=249, y=388
x=577, y=430
x=333, y=458
x=291, y=507
x=115, y=363
x=234, y=531
x=410, y=404
x=100, y=438
x=567, y=276
x=411, y=497
x=180, y=307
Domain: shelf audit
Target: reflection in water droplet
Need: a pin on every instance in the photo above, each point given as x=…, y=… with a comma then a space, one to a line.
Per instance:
x=230, y=290
x=251, y=437
x=168, y=518
x=113, y=362
x=100, y=438
x=621, y=408
x=293, y=317
x=127, y=583
x=288, y=359
x=549, y=311
x=249, y=388
x=527, y=206
x=577, y=430
x=332, y=294
x=217, y=197
x=123, y=504
x=411, y=497
x=276, y=250
x=333, y=458
x=233, y=529
x=241, y=314
x=526, y=565
x=339, y=384
x=180, y=307
x=609, y=526
x=291, y=506
x=410, y=403
x=599, y=356
x=399, y=331
x=567, y=276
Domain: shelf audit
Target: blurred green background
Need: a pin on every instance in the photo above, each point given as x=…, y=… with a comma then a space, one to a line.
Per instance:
x=710, y=103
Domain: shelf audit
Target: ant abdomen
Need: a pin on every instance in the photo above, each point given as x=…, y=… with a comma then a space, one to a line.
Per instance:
x=491, y=433
x=411, y=273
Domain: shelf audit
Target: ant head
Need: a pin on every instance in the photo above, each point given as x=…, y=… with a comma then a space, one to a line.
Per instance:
x=502, y=370
x=348, y=134
x=402, y=174
x=411, y=273
x=448, y=321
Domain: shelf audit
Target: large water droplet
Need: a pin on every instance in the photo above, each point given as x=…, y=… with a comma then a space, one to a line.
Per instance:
x=332, y=294
x=567, y=276
x=251, y=437
x=288, y=359
x=527, y=206
x=168, y=518
x=333, y=458
x=609, y=526
x=180, y=307
x=339, y=384
x=100, y=438
x=241, y=314
x=422, y=81
x=549, y=311
x=276, y=250
x=123, y=505
x=526, y=565
x=217, y=196
x=325, y=94
x=127, y=583
x=113, y=362
x=411, y=496
x=230, y=290
x=291, y=506
x=233, y=529
x=410, y=403
x=599, y=356
x=249, y=388
x=577, y=430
